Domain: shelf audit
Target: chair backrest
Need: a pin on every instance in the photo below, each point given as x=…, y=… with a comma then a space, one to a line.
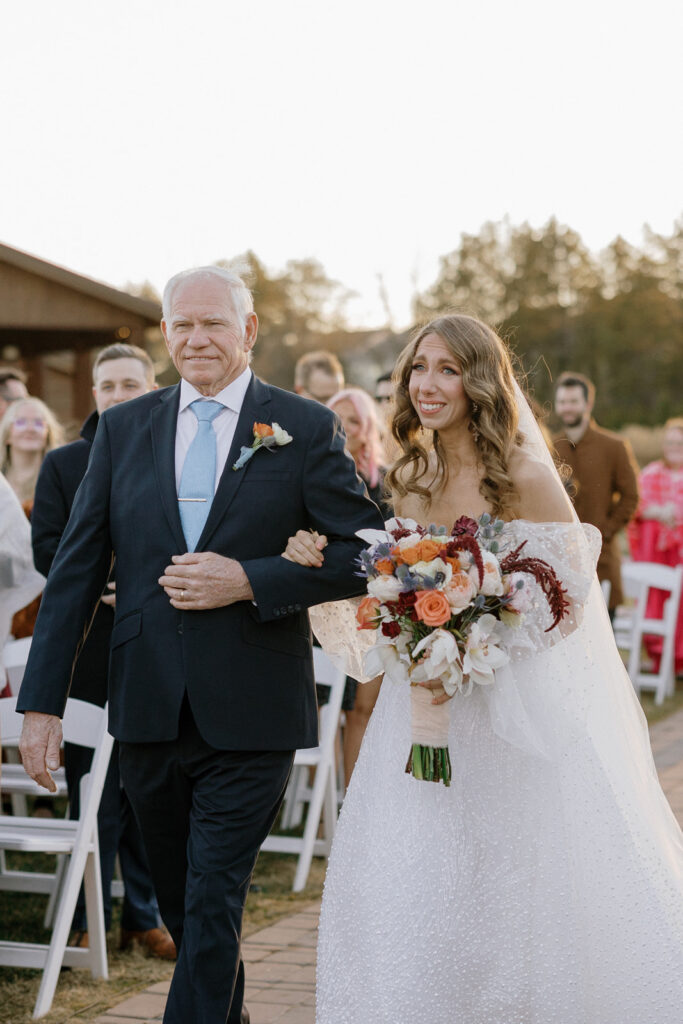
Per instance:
x=327, y=673
x=10, y=722
x=641, y=577
x=14, y=658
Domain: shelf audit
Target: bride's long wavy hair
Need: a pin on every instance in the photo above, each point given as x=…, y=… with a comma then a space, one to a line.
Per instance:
x=488, y=382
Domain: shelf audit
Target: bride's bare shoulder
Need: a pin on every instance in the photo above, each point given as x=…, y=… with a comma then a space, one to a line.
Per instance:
x=542, y=498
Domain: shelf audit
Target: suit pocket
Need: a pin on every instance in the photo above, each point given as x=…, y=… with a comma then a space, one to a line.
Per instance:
x=126, y=628
x=275, y=636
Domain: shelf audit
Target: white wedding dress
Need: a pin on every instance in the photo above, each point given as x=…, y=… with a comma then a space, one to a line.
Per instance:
x=545, y=886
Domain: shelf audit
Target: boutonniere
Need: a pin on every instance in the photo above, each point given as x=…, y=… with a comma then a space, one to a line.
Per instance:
x=265, y=436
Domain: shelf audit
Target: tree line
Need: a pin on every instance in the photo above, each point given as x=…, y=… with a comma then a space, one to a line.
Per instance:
x=616, y=316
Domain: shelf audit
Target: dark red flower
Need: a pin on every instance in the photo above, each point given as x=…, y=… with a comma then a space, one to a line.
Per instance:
x=391, y=629
x=545, y=576
x=465, y=524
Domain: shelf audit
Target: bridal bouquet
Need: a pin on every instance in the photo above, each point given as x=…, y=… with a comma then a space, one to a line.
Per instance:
x=436, y=600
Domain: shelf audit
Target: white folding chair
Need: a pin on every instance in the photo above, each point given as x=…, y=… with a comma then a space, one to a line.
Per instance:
x=15, y=780
x=14, y=658
x=322, y=796
x=631, y=624
x=86, y=725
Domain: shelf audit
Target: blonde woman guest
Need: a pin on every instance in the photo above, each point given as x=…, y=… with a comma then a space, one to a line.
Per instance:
x=656, y=533
x=28, y=430
x=357, y=412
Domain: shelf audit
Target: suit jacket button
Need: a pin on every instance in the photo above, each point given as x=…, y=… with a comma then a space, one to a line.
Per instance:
x=180, y=629
x=290, y=609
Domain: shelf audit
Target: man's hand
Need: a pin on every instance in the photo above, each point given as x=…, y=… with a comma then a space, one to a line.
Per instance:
x=41, y=738
x=110, y=597
x=202, y=579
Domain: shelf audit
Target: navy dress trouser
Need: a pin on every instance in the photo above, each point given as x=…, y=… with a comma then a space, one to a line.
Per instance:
x=203, y=814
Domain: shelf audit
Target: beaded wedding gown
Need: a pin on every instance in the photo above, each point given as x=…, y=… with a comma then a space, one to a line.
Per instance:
x=545, y=886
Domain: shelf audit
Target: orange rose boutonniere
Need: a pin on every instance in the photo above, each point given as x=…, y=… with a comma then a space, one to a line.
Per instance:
x=265, y=436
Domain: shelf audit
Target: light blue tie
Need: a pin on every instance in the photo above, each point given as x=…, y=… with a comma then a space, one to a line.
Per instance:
x=198, y=477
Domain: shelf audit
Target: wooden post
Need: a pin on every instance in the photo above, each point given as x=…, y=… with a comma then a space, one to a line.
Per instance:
x=82, y=401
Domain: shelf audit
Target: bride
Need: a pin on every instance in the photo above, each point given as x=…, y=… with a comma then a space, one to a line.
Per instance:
x=545, y=886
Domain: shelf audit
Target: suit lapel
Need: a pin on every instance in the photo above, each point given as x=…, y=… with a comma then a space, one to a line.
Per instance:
x=163, y=424
x=257, y=396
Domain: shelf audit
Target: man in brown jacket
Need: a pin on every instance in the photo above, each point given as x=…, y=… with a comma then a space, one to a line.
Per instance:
x=604, y=473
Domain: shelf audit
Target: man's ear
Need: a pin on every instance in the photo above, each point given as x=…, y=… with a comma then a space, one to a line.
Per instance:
x=164, y=331
x=250, y=332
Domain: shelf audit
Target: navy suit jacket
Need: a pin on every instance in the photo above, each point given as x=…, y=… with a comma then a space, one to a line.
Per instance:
x=247, y=668
x=60, y=476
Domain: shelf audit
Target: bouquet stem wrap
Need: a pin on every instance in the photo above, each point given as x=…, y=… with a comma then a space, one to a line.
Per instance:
x=429, y=759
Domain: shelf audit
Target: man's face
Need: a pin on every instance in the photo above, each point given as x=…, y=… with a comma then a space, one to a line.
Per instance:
x=117, y=380
x=384, y=398
x=572, y=406
x=205, y=340
x=322, y=386
x=12, y=391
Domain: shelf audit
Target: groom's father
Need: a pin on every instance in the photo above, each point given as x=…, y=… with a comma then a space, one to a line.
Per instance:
x=211, y=682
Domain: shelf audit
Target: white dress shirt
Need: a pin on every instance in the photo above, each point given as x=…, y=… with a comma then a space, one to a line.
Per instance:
x=223, y=424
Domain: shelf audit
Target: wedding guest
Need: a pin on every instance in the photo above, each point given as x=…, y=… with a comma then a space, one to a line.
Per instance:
x=28, y=431
x=19, y=581
x=318, y=375
x=656, y=533
x=604, y=473
x=356, y=410
x=12, y=387
x=120, y=372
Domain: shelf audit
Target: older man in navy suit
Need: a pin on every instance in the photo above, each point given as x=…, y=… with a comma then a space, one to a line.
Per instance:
x=211, y=684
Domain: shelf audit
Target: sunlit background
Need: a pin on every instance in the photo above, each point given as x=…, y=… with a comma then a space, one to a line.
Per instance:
x=139, y=138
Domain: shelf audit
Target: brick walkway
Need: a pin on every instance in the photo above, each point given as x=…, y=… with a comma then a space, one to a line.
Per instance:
x=280, y=959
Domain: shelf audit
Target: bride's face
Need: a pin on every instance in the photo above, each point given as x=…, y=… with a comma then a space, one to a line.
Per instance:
x=435, y=386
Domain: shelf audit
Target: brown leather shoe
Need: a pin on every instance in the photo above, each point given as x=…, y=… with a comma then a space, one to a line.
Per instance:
x=156, y=941
x=79, y=939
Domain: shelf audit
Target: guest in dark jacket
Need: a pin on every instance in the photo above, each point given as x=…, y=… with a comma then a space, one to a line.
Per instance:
x=120, y=372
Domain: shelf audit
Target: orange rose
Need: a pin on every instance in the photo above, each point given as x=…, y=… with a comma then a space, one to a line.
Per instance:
x=453, y=561
x=367, y=612
x=409, y=556
x=385, y=566
x=428, y=549
x=263, y=430
x=432, y=607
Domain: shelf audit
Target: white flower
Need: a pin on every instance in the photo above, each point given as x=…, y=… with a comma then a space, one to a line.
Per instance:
x=461, y=591
x=493, y=581
x=482, y=657
x=513, y=619
x=430, y=569
x=384, y=658
x=441, y=660
x=281, y=435
x=384, y=588
x=401, y=524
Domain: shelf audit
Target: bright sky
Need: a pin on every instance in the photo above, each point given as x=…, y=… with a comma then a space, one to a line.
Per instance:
x=139, y=138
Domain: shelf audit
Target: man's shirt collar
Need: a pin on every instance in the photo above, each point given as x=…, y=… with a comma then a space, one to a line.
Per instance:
x=231, y=396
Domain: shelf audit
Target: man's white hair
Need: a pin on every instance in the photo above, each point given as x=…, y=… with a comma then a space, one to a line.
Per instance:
x=240, y=296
